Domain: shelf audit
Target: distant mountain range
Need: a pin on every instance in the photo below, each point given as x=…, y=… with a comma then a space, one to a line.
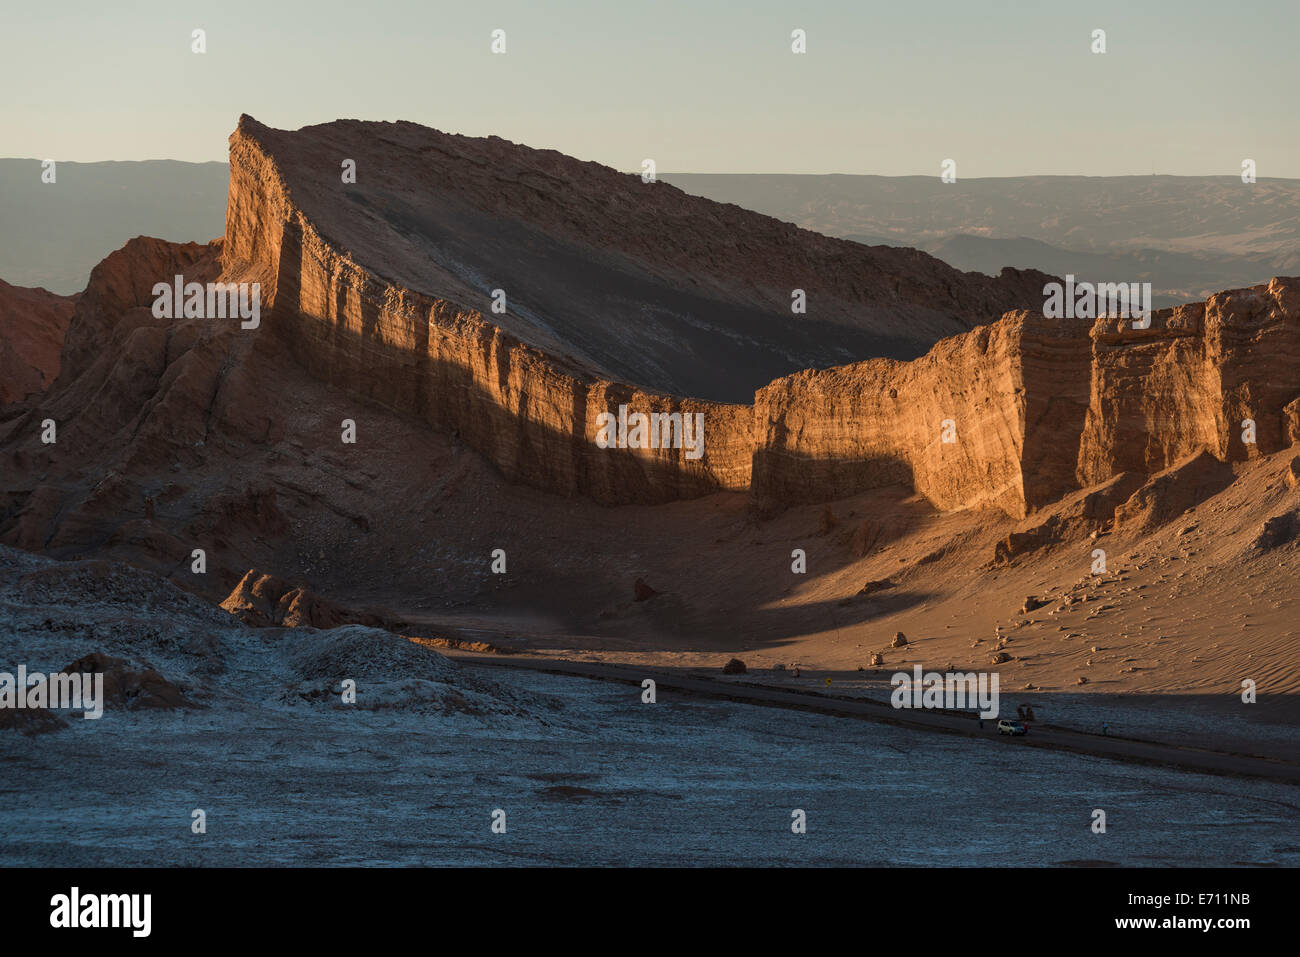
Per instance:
x=53, y=234
x=1175, y=277
x=1188, y=236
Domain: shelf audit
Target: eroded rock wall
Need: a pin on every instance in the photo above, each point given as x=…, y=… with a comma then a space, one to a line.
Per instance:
x=1032, y=408
x=533, y=416
x=1037, y=408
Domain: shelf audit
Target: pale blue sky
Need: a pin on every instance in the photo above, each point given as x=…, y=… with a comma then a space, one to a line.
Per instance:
x=1005, y=88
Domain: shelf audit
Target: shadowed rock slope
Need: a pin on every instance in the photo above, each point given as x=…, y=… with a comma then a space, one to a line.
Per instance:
x=33, y=323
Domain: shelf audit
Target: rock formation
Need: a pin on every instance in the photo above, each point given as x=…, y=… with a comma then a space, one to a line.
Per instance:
x=263, y=600
x=381, y=287
x=376, y=304
x=1038, y=408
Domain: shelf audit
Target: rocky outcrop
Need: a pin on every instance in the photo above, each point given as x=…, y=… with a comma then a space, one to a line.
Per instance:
x=374, y=293
x=1194, y=380
x=1173, y=491
x=262, y=600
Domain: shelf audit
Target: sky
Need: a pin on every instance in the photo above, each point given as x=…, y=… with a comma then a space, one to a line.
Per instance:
x=1185, y=87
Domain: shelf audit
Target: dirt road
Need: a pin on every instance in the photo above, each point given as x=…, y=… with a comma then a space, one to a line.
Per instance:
x=1060, y=739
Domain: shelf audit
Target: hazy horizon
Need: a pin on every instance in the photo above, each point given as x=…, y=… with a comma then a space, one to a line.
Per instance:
x=687, y=172
x=1006, y=92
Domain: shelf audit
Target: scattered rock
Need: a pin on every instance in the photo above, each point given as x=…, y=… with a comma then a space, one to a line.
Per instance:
x=734, y=667
x=900, y=640
x=641, y=591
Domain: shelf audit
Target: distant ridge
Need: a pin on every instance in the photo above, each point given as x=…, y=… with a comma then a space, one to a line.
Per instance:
x=1188, y=235
x=54, y=234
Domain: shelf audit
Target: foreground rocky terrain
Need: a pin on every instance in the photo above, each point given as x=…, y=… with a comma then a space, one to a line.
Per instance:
x=259, y=740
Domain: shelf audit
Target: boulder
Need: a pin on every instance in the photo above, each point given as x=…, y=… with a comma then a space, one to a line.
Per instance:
x=1032, y=603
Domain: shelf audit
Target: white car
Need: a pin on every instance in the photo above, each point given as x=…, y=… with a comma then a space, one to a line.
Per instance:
x=1006, y=726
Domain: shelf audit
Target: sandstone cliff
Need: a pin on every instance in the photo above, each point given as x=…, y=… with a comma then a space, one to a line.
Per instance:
x=369, y=282
x=1038, y=407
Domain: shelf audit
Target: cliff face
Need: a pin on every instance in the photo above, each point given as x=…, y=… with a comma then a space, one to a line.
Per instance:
x=1192, y=380
x=983, y=419
x=1038, y=408
x=368, y=283
x=534, y=417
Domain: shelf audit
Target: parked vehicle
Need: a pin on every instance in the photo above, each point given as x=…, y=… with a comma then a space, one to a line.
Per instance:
x=1006, y=726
